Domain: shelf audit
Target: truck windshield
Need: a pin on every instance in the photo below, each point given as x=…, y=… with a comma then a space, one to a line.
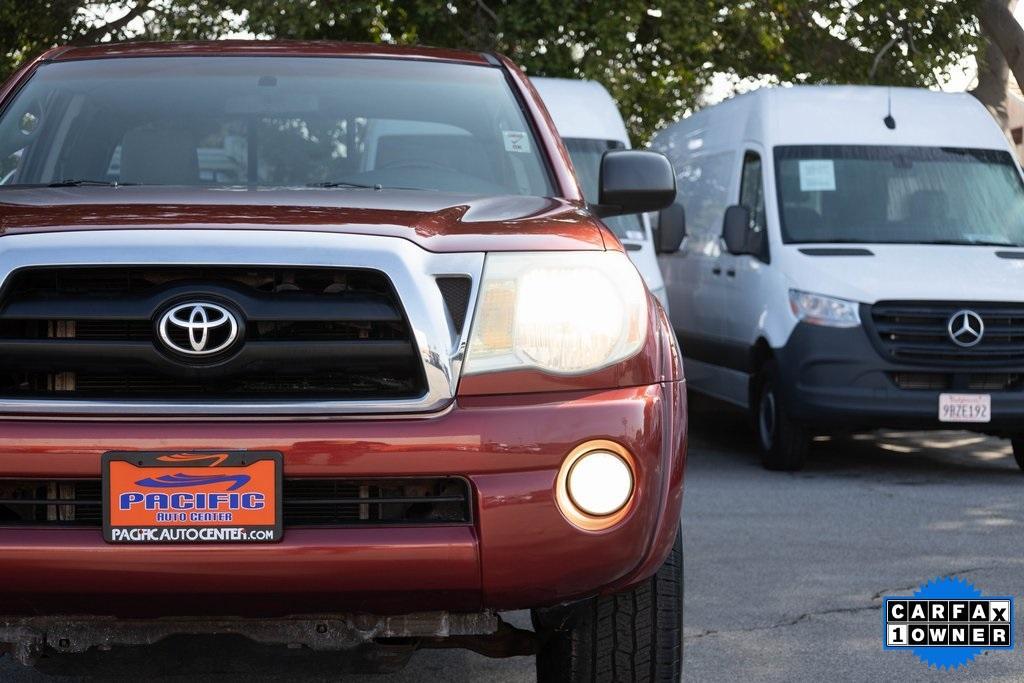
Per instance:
x=909, y=195
x=586, y=156
x=272, y=121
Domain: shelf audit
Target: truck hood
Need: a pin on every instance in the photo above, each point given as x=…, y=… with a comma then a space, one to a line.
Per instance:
x=908, y=271
x=436, y=221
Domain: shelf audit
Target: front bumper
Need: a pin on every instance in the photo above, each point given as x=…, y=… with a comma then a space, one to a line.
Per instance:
x=519, y=552
x=836, y=379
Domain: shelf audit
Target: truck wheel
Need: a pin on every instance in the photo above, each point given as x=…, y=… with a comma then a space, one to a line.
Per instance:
x=1018, y=450
x=782, y=441
x=636, y=635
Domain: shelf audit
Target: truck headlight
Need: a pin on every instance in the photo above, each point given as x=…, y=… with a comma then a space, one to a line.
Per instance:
x=826, y=311
x=560, y=312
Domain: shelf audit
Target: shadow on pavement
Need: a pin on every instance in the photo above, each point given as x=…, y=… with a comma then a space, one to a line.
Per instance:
x=723, y=433
x=234, y=658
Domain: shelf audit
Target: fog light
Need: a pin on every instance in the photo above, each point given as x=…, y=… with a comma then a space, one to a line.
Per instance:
x=600, y=483
x=595, y=485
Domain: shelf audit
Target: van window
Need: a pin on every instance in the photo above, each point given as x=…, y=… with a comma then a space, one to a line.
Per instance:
x=752, y=190
x=273, y=121
x=586, y=156
x=897, y=194
x=704, y=183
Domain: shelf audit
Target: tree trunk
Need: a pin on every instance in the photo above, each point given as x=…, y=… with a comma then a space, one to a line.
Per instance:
x=1005, y=32
x=993, y=76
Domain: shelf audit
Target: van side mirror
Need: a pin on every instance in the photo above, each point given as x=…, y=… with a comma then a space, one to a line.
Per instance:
x=671, y=229
x=634, y=181
x=736, y=230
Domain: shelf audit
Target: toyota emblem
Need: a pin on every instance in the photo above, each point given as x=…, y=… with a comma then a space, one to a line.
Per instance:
x=966, y=328
x=198, y=328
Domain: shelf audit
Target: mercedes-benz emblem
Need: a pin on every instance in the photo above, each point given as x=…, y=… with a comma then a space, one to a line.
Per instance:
x=198, y=328
x=966, y=328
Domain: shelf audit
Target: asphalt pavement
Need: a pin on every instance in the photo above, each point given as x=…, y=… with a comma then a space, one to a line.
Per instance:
x=784, y=572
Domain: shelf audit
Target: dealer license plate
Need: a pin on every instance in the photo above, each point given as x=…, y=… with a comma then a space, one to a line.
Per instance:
x=965, y=408
x=192, y=497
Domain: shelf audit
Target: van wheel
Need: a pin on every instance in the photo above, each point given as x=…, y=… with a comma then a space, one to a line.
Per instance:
x=636, y=635
x=782, y=441
x=1018, y=450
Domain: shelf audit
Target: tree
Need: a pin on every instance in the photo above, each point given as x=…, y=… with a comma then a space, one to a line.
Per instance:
x=1004, y=54
x=911, y=43
x=655, y=56
x=26, y=29
x=993, y=70
x=652, y=60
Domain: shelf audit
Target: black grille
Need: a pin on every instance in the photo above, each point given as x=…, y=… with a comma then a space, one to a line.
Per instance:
x=455, y=292
x=918, y=332
x=59, y=502
x=941, y=381
x=308, y=333
x=306, y=502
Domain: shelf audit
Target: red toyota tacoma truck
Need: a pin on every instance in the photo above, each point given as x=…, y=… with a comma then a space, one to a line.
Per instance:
x=320, y=344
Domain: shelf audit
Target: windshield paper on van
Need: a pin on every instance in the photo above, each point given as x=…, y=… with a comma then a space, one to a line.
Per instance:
x=905, y=195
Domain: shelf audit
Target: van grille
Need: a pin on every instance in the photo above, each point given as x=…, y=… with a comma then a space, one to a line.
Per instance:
x=305, y=502
x=918, y=332
x=941, y=381
x=309, y=333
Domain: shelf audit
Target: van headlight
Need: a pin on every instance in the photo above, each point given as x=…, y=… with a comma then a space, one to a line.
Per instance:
x=560, y=312
x=826, y=311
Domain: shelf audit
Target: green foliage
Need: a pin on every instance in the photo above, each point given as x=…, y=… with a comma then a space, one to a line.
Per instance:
x=653, y=65
x=656, y=57
x=27, y=28
x=836, y=41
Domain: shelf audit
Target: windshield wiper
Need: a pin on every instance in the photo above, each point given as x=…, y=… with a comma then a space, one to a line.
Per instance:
x=79, y=182
x=972, y=243
x=340, y=183
x=358, y=186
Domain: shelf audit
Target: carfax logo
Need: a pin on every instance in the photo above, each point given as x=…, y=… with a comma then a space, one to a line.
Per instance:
x=947, y=623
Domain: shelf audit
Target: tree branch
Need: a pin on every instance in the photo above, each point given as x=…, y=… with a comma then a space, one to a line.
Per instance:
x=878, y=57
x=998, y=22
x=96, y=33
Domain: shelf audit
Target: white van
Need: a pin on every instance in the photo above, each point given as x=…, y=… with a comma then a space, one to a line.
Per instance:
x=854, y=259
x=590, y=124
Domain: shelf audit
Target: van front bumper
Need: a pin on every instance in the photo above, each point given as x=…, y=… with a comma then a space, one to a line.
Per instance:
x=835, y=379
x=519, y=551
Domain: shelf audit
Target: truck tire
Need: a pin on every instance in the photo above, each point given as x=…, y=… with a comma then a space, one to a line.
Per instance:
x=782, y=442
x=1018, y=450
x=634, y=636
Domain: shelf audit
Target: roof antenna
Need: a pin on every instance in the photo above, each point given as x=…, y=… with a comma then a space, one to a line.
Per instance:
x=889, y=121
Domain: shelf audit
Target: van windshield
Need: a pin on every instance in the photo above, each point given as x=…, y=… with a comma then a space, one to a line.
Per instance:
x=908, y=195
x=272, y=121
x=586, y=156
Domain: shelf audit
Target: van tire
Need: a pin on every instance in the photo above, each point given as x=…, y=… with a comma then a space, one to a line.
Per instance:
x=636, y=635
x=1018, y=450
x=782, y=441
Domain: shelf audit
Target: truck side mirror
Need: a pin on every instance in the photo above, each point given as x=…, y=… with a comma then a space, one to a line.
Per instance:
x=634, y=181
x=735, y=230
x=671, y=229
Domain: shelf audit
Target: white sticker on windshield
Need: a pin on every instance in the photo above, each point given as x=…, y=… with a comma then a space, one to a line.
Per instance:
x=516, y=141
x=817, y=175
